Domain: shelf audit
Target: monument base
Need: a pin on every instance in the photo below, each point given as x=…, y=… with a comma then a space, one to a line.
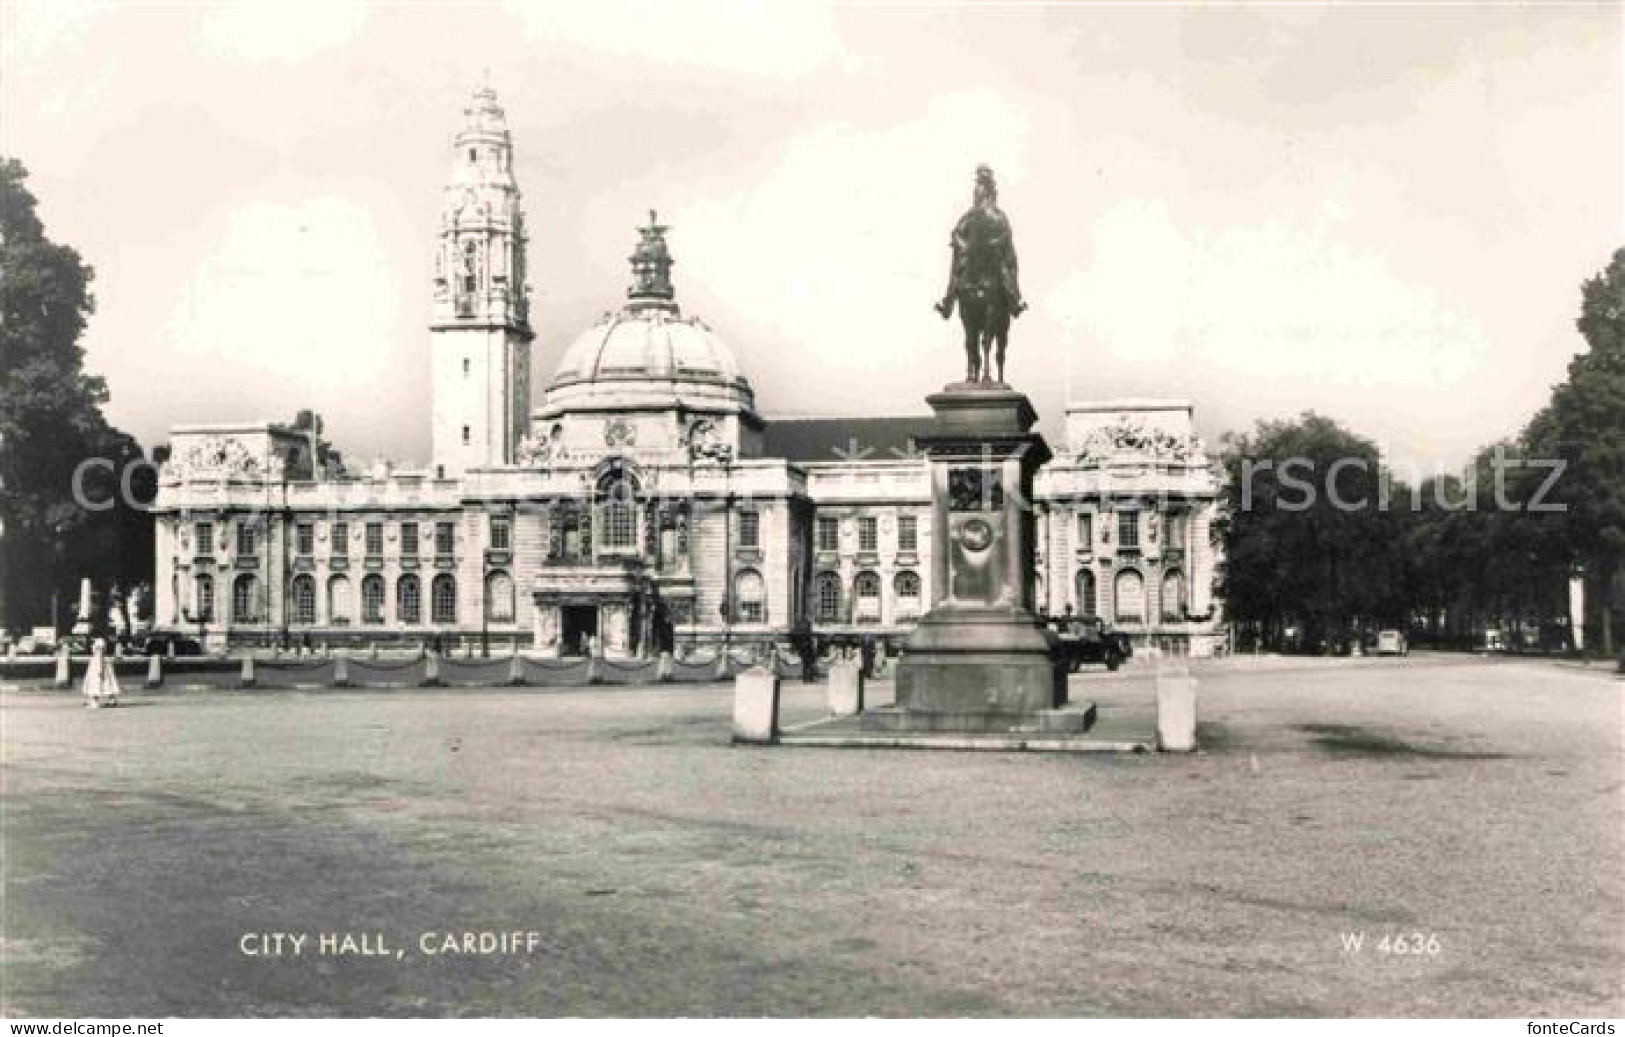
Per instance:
x=989, y=668
x=1071, y=721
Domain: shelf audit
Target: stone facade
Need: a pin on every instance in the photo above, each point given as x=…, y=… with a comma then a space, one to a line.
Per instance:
x=644, y=504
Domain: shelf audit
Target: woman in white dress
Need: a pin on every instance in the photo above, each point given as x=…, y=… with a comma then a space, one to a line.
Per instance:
x=101, y=683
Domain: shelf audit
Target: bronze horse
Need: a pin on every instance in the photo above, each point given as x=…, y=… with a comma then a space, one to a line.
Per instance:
x=984, y=312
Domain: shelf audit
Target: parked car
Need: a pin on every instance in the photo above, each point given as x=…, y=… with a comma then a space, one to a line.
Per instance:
x=159, y=642
x=1086, y=640
x=1392, y=642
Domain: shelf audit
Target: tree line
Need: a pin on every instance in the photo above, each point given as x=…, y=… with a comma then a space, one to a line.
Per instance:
x=50, y=422
x=1323, y=542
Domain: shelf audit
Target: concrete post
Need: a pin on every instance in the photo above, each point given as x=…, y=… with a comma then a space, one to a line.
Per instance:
x=663, y=667
x=756, y=706
x=516, y=670
x=845, y=689
x=341, y=671
x=1176, y=712
x=155, y=671
x=64, y=671
x=431, y=672
x=248, y=672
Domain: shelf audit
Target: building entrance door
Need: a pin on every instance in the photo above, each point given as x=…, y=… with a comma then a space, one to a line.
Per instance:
x=579, y=624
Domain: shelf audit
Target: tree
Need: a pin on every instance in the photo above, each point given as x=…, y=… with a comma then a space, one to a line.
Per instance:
x=51, y=422
x=1584, y=427
x=1310, y=540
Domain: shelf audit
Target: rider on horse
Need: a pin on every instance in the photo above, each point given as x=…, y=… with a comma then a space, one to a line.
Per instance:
x=983, y=233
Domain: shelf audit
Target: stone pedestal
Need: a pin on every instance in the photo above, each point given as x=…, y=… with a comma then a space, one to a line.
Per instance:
x=756, y=706
x=1176, y=712
x=845, y=689
x=979, y=660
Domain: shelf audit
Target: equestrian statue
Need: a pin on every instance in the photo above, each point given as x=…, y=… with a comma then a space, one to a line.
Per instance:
x=982, y=280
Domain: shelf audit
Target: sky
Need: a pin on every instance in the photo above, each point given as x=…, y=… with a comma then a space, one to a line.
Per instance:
x=1382, y=213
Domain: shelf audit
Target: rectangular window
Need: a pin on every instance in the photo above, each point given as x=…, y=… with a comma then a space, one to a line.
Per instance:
x=245, y=538
x=304, y=539
x=1086, y=530
x=444, y=539
x=1128, y=529
x=750, y=529
x=409, y=539
x=829, y=534
x=868, y=537
x=375, y=539
x=908, y=533
x=751, y=612
x=205, y=538
x=1175, y=535
x=501, y=533
x=341, y=539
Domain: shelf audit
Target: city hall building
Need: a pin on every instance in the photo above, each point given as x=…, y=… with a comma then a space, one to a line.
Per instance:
x=643, y=503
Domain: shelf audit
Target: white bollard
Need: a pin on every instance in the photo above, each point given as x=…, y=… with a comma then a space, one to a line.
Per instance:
x=756, y=706
x=155, y=671
x=1176, y=713
x=64, y=672
x=247, y=680
x=845, y=689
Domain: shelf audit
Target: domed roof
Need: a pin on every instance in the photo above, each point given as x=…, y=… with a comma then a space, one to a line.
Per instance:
x=649, y=338
x=647, y=342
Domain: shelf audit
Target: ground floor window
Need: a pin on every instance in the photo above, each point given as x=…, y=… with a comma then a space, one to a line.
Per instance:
x=1173, y=596
x=751, y=596
x=866, y=591
x=499, y=597
x=828, y=588
x=443, y=599
x=907, y=586
x=203, y=600
x=304, y=599
x=338, y=599
x=1130, y=597
x=409, y=599
x=242, y=599
x=1086, y=593
x=372, y=599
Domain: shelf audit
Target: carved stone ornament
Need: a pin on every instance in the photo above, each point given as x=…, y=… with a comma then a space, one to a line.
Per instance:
x=619, y=432
x=220, y=457
x=1126, y=436
x=534, y=452
x=704, y=442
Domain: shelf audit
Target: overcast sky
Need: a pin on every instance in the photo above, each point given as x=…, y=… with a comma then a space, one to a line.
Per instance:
x=1381, y=213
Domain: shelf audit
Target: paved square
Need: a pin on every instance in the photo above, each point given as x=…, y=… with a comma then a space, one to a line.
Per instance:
x=1471, y=809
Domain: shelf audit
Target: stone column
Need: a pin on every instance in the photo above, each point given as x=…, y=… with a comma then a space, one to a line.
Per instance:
x=979, y=660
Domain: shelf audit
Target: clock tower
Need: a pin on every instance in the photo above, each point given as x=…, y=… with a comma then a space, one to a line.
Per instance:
x=479, y=329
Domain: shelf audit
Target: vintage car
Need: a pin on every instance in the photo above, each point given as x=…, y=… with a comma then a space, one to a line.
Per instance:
x=1085, y=639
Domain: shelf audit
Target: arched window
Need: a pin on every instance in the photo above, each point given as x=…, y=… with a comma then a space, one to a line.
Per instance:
x=750, y=596
x=304, y=599
x=828, y=587
x=907, y=585
x=1085, y=586
x=409, y=599
x=443, y=599
x=617, y=513
x=866, y=592
x=499, y=597
x=1130, y=597
x=1173, y=595
x=372, y=598
x=338, y=599
x=203, y=601
x=242, y=599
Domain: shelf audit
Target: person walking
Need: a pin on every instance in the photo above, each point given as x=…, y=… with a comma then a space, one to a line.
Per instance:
x=100, y=687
